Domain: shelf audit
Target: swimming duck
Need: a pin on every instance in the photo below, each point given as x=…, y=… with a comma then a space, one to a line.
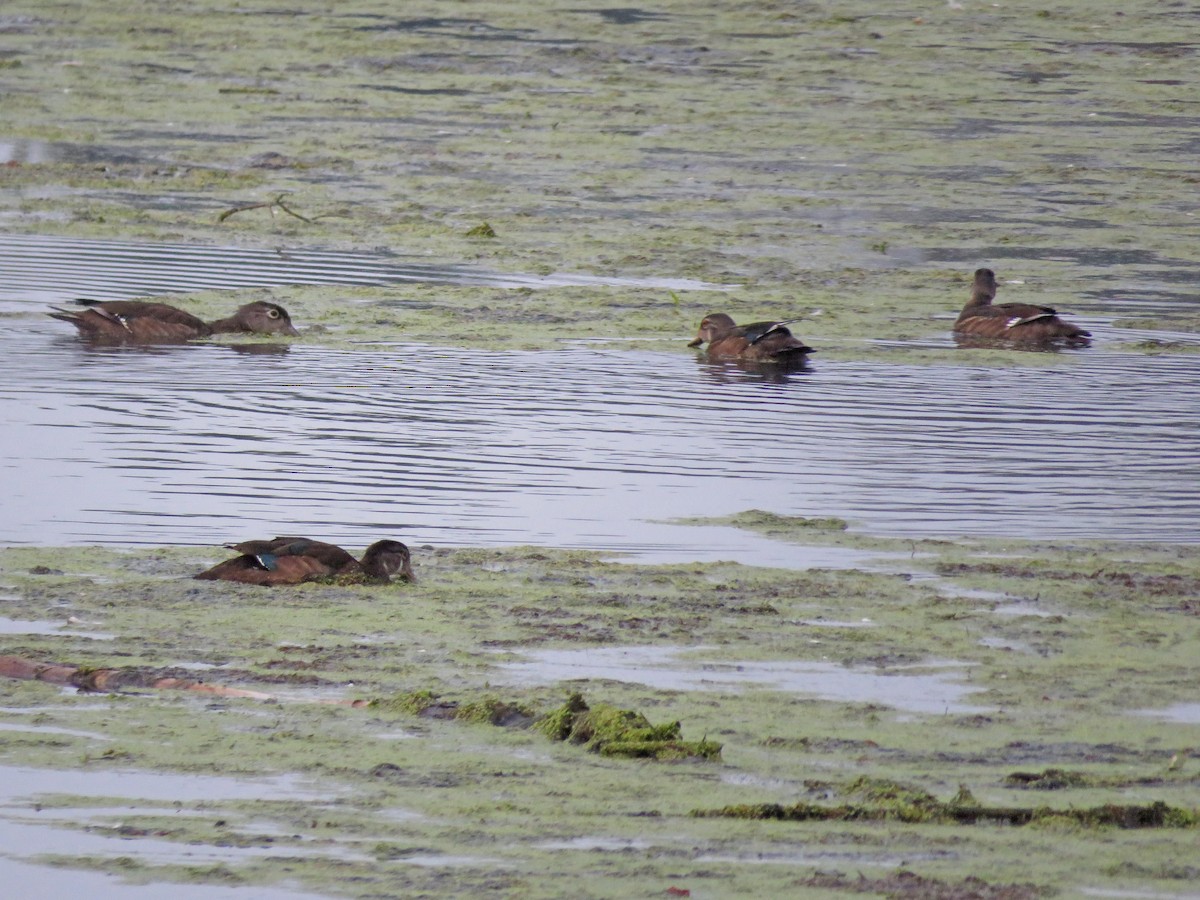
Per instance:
x=292, y=560
x=1021, y=323
x=138, y=321
x=761, y=341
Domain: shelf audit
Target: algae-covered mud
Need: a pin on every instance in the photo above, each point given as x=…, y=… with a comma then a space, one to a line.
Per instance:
x=850, y=163
x=958, y=718
x=457, y=735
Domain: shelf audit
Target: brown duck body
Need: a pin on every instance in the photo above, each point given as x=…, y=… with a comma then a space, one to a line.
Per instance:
x=292, y=560
x=140, y=322
x=759, y=341
x=1017, y=323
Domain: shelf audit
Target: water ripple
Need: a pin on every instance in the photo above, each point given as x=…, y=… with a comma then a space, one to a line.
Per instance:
x=45, y=268
x=580, y=447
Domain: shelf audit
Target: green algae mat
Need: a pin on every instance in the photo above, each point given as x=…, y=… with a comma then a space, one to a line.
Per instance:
x=849, y=163
x=967, y=719
x=1015, y=719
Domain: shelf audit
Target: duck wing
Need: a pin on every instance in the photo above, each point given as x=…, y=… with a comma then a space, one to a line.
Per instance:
x=757, y=331
x=1017, y=314
x=287, y=546
x=132, y=320
x=266, y=569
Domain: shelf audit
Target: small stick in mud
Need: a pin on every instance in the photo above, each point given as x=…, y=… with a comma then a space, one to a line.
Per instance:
x=272, y=205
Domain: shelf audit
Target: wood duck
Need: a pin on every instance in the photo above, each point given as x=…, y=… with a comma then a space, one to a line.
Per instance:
x=292, y=560
x=760, y=341
x=1015, y=323
x=138, y=321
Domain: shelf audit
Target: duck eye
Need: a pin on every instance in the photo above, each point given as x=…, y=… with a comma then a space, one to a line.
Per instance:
x=272, y=314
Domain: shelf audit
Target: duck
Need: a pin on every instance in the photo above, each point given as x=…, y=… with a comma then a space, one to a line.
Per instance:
x=1017, y=323
x=293, y=560
x=145, y=322
x=759, y=341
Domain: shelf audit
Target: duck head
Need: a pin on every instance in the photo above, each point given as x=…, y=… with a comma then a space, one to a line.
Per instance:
x=711, y=326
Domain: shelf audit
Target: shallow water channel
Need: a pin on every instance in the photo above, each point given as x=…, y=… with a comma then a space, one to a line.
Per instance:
x=585, y=446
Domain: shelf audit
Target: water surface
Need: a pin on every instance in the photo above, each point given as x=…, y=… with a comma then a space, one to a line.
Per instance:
x=933, y=687
x=28, y=830
x=586, y=446
x=49, y=268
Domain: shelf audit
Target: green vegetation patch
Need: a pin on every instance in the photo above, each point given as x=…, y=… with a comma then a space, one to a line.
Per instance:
x=1089, y=676
x=883, y=800
x=630, y=150
x=486, y=710
x=906, y=883
x=772, y=524
x=610, y=731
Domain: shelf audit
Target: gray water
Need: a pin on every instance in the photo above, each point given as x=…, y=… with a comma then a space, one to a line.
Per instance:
x=49, y=268
x=587, y=446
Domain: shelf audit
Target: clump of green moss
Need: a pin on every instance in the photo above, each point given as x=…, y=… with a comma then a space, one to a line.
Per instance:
x=414, y=703
x=558, y=725
x=908, y=803
x=1060, y=779
x=494, y=711
x=1047, y=780
x=611, y=731
x=760, y=519
x=773, y=523
x=602, y=729
x=885, y=800
x=798, y=812
x=486, y=710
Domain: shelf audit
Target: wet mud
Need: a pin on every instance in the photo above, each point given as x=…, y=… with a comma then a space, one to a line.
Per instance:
x=397, y=752
x=521, y=178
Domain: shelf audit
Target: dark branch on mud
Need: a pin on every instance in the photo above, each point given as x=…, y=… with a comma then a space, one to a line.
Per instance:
x=272, y=205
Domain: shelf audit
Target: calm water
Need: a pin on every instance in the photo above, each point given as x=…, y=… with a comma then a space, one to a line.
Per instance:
x=583, y=447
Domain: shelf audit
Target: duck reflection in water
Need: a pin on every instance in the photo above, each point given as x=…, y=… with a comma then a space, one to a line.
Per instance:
x=1025, y=326
x=253, y=349
x=103, y=349
x=741, y=371
x=760, y=342
x=293, y=560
